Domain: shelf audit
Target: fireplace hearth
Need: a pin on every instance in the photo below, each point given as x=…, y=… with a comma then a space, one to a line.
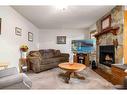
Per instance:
x=107, y=55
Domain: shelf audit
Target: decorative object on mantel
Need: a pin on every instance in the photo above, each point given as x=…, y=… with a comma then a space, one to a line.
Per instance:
x=18, y=31
x=61, y=39
x=23, y=50
x=115, y=43
x=115, y=40
x=0, y=25
x=106, y=22
x=30, y=36
x=97, y=42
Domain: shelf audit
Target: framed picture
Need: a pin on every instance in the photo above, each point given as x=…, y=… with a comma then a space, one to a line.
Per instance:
x=30, y=36
x=18, y=31
x=61, y=39
x=106, y=23
x=0, y=25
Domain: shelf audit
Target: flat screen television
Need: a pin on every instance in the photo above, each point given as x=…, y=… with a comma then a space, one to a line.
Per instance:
x=83, y=46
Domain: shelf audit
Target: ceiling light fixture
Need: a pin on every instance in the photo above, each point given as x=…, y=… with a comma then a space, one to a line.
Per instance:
x=61, y=7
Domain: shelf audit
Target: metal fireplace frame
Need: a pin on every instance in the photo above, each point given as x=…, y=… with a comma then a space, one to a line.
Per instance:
x=109, y=49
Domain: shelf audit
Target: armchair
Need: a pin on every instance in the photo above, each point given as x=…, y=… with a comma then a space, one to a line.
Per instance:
x=11, y=79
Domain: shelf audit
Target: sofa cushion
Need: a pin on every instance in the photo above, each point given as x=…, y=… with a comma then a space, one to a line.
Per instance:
x=41, y=52
x=48, y=53
x=53, y=60
x=49, y=61
x=35, y=54
x=57, y=53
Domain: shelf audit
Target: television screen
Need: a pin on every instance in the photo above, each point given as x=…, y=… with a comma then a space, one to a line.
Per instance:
x=83, y=46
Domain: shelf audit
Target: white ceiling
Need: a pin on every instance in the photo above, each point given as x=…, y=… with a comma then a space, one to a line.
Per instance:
x=74, y=17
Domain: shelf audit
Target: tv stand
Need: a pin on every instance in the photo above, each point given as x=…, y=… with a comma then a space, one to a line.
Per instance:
x=81, y=58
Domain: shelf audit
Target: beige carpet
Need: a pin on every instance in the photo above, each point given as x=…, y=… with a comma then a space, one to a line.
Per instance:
x=51, y=80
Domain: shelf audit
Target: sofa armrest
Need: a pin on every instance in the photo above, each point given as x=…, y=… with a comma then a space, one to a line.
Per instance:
x=8, y=72
x=35, y=62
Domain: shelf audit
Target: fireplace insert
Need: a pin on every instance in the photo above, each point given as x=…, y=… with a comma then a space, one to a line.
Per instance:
x=107, y=55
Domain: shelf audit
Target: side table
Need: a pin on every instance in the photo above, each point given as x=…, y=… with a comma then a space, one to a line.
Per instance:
x=23, y=65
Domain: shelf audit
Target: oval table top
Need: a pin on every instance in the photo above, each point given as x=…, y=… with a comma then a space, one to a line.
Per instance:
x=72, y=66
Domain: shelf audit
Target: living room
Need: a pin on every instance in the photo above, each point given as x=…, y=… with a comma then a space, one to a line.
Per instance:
x=69, y=47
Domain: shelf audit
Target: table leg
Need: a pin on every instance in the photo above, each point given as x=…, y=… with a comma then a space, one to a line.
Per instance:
x=67, y=76
x=78, y=76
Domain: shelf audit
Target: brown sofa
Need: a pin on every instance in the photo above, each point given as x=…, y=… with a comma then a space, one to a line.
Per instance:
x=46, y=59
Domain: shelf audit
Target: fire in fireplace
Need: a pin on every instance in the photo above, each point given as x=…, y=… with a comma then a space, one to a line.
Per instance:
x=107, y=55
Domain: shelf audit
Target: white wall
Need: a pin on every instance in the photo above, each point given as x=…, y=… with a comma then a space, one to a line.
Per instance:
x=126, y=7
x=47, y=39
x=92, y=27
x=9, y=42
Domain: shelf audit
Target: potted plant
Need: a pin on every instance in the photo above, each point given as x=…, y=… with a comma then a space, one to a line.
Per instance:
x=23, y=49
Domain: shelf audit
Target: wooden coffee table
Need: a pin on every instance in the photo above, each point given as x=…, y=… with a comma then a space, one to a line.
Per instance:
x=71, y=70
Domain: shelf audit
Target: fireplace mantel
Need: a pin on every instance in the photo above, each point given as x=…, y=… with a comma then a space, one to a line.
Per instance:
x=112, y=30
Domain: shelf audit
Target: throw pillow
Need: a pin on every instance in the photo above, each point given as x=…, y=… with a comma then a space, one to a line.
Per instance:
x=35, y=54
x=57, y=53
